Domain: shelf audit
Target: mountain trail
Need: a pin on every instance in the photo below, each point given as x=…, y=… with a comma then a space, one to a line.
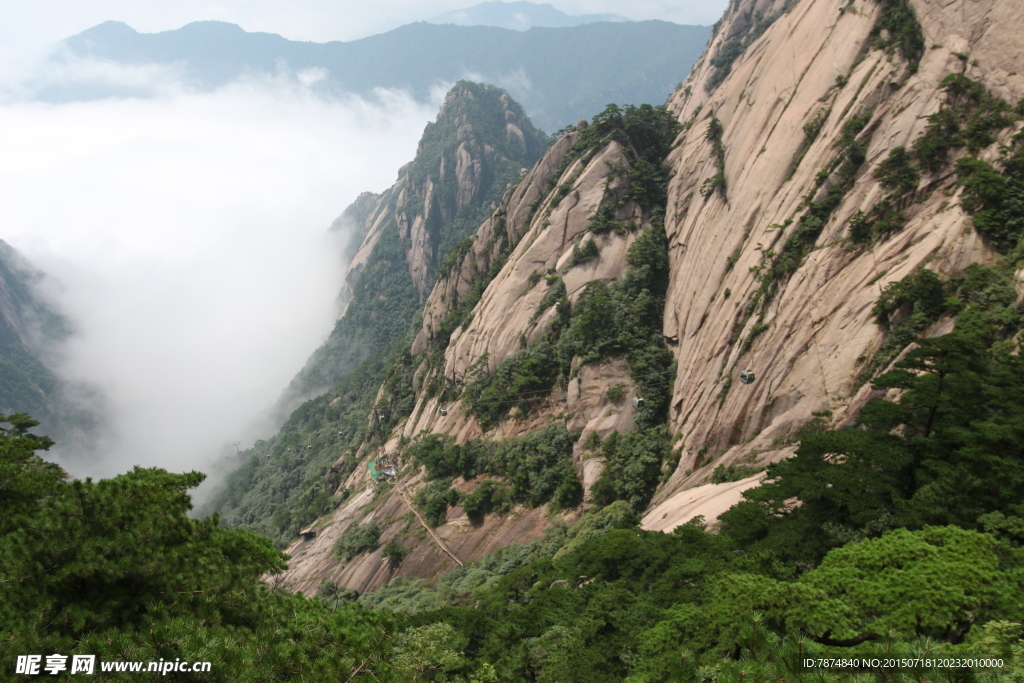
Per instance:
x=437, y=539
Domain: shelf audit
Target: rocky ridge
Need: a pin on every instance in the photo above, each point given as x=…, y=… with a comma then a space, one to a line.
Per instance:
x=531, y=231
x=785, y=120
x=479, y=144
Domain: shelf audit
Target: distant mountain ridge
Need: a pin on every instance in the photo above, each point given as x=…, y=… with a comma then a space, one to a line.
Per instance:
x=558, y=74
x=518, y=16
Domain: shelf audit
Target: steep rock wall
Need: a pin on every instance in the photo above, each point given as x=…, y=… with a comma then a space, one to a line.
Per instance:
x=820, y=60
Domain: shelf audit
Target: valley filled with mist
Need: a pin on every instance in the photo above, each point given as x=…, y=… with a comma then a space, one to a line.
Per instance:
x=185, y=239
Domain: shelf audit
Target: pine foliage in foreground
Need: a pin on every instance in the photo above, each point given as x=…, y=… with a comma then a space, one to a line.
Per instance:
x=117, y=569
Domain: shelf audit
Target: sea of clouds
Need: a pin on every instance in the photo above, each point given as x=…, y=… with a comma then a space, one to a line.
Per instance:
x=185, y=235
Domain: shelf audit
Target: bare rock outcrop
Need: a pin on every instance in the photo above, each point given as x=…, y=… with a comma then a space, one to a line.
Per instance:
x=807, y=345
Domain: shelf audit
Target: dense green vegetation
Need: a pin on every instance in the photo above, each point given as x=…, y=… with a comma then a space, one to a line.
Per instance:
x=518, y=382
x=536, y=469
x=838, y=553
x=734, y=472
x=949, y=462
x=897, y=28
x=633, y=467
x=970, y=119
x=434, y=499
x=357, y=539
x=995, y=199
x=585, y=251
x=909, y=307
x=645, y=134
x=116, y=568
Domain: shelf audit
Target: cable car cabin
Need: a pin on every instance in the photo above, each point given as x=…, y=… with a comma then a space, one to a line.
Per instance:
x=747, y=376
x=444, y=411
x=638, y=401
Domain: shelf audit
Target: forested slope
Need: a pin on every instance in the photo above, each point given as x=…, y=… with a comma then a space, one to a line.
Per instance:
x=31, y=333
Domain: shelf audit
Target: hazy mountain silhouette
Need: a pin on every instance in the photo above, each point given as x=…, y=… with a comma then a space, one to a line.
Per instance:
x=558, y=74
x=518, y=16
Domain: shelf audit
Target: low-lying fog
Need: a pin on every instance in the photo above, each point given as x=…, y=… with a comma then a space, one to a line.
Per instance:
x=185, y=236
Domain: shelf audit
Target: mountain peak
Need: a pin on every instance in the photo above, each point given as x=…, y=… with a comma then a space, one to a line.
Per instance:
x=101, y=34
x=518, y=16
x=211, y=27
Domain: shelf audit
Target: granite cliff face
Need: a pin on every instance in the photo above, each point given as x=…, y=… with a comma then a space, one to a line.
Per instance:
x=820, y=66
x=783, y=227
x=480, y=143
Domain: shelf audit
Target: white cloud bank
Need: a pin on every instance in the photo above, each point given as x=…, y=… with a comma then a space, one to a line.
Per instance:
x=188, y=235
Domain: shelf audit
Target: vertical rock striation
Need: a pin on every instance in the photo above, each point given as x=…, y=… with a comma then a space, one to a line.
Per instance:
x=825, y=75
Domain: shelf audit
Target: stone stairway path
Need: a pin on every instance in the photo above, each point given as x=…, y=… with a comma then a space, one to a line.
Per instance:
x=437, y=539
